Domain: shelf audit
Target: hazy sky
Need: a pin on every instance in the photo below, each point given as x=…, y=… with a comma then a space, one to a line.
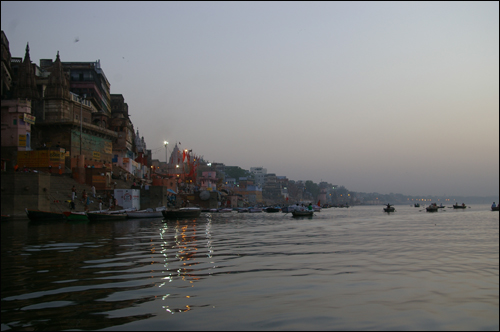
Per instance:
x=378, y=97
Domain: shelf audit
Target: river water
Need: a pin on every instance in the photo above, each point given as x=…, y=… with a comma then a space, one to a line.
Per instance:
x=344, y=269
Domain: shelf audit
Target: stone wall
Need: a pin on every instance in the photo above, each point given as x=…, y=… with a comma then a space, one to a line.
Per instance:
x=21, y=190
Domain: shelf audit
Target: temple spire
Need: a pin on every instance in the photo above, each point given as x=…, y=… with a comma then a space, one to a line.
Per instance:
x=26, y=84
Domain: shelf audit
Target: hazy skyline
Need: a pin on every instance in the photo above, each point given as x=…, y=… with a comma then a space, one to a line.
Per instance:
x=376, y=96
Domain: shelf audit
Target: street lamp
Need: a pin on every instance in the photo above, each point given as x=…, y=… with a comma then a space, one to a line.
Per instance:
x=81, y=120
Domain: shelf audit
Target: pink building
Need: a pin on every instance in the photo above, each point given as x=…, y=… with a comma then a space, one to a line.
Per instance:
x=208, y=181
x=16, y=125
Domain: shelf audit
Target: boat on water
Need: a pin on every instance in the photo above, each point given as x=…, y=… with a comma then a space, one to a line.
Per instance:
x=243, y=210
x=303, y=213
x=106, y=216
x=76, y=216
x=225, y=210
x=37, y=215
x=456, y=206
x=255, y=210
x=389, y=209
x=494, y=208
x=288, y=209
x=182, y=213
x=432, y=208
x=416, y=205
x=147, y=213
x=272, y=209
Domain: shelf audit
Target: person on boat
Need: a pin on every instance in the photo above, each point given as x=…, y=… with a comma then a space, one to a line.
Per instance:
x=493, y=205
x=310, y=207
x=463, y=204
x=388, y=206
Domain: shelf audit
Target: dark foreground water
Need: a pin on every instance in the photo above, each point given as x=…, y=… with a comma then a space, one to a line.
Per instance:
x=344, y=269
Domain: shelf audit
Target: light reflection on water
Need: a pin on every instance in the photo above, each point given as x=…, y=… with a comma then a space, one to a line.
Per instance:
x=356, y=268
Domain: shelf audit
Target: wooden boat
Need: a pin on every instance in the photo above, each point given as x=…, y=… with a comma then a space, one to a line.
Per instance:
x=243, y=210
x=432, y=208
x=456, y=206
x=76, y=216
x=37, y=215
x=225, y=210
x=389, y=209
x=288, y=209
x=495, y=208
x=272, y=209
x=417, y=205
x=106, y=216
x=148, y=213
x=182, y=213
x=303, y=213
x=254, y=210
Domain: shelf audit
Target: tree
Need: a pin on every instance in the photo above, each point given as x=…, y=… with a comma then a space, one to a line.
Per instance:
x=313, y=188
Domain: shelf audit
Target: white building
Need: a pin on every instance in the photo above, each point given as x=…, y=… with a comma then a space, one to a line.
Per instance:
x=259, y=175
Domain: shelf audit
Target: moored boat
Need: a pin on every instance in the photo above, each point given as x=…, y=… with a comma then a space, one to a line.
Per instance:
x=272, y=209
x=417, y=205
x=147, y=213
x=302, y=213
x=182, y=213
x=456, y=206
x=76, y=216
x=106, y=216
x=37, y=215
x=254, y=210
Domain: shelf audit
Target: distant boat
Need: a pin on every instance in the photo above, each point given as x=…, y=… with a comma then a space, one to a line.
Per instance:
x=432, y=208
x=255, y=210
x=389, y=209
x=417, y=204
x=456, y=206
x=494, y=208
x=272, y=209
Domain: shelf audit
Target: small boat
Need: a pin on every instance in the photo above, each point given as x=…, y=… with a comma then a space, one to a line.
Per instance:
x=288, y=209
x=76, y=216
x=417, y=205
x=147, y=213
x=243, y=210
x=182, y=213
x=432, y=208
x=389, y=209
x=37, y=215
x=106, y=216
x=303, y=213
x=494, y=208
x=272, y=209
x=456, y=206
x=441, y=206
x=225, y=210
x=254, y=210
